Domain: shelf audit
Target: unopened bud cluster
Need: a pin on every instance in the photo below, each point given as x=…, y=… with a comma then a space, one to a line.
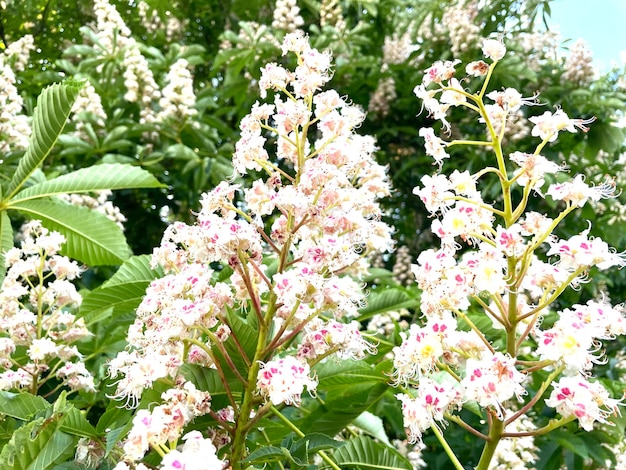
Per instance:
x=287, y=15
x=579, y=64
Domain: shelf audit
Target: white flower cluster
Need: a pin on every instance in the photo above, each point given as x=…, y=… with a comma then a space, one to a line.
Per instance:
x=140, y=84
x=413, y=452
x=111, y=30
x=88, y=102
x=114, y=35
x=459, y=21
x=153, y=22
x=539, y=47
x=178, y=97
x=19, y=52
x=384, y=94
x=331, y=15
x=14, y=126
x=164, y=424
x=457, y=26
x=596, y=168
x=35, y=301
x=516, y=126
x=99, y=203
x=402, y=267
x=283, y=380
x=287, y=15
x=252, y=35
x=579, y=64
x=385, y=323
x=397, y=49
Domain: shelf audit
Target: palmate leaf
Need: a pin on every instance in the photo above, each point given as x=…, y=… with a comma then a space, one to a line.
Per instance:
x=94, y=178
x=246, y=332
x=303, y=449
x=90, y=236
x=363, y=453
x=54, y=105
x=122, y=293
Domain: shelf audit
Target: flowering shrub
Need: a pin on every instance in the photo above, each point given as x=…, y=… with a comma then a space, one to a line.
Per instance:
x=264, y=331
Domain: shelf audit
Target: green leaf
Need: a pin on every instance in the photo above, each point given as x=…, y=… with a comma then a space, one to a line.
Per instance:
x=575, y=444
x=37, y=445
x=209, y=380
x=76, y=424
x=113, y=417
x=302, y=450
x=54, y=105
x=350, y=389
x=246, y=332
x=116, y=435
x=6, y=240
x=21, y=405
x=362, y=452
x=135, y=269
x=266, y=454
x=91, y=237
x=603, y=136
x=377, y=273
x=94, y=178
x=386, y=301
x=372, y=425
x=122, y=293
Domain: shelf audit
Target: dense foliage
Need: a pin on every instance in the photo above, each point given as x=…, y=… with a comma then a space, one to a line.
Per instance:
x=231, y=196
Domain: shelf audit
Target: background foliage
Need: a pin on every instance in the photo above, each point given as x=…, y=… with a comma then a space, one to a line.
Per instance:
x=381, y=49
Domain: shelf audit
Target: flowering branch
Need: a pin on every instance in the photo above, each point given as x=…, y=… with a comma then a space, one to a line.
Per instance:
x=505, y=276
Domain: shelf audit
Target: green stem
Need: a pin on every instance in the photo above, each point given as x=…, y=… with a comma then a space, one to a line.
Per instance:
x=218, y=368
x=238, y=446
x=511, y=331
x=447, y=448
x=551, y=426
x=496, y=429
x=555, y=295
x=487, y=78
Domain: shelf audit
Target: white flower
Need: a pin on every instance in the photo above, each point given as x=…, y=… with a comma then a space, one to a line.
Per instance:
x=494, y=49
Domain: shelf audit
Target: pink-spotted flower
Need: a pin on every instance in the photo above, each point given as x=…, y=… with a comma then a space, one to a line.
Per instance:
x=427, y=408
x=493, y=380
x=589, y=402
x=284, y=380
